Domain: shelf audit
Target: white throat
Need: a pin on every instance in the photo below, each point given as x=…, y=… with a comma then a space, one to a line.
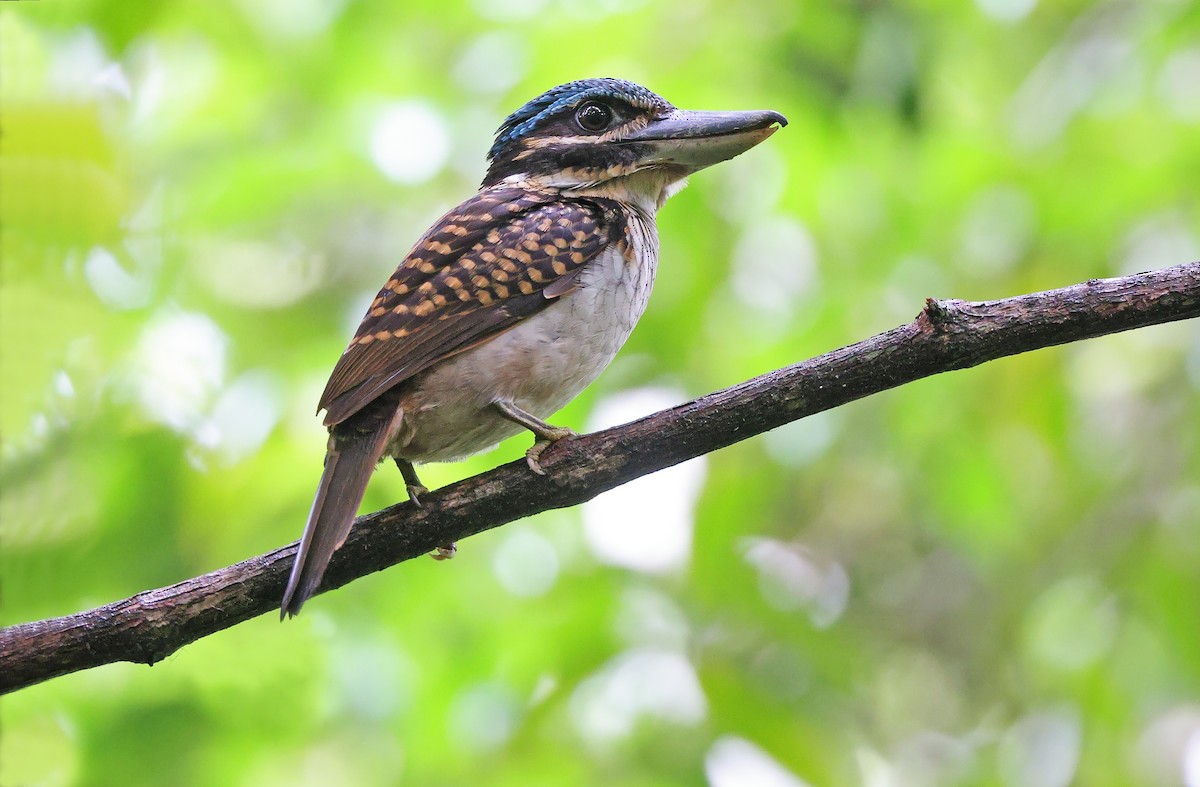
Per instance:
x=646, y=189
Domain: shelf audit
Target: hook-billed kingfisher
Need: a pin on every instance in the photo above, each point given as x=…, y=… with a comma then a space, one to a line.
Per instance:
x=517, y=299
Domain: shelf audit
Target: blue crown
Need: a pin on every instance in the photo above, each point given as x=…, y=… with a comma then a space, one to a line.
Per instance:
x=557, y=99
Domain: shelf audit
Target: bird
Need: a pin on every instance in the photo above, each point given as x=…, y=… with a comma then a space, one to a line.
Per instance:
x=515, y=300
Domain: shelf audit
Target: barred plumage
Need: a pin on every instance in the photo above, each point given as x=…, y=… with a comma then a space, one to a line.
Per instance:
x=517, y=299
x=498, y=258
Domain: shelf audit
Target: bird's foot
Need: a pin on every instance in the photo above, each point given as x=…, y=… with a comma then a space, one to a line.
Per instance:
x=411, y=483
x=546, y=438
x=414, y=494
x=415, y=490
x=546, y=433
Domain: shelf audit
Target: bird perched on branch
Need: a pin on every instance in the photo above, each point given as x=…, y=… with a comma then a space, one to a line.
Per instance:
x=516, y=300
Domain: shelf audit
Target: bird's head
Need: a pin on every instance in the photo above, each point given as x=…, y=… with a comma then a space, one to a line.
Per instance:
x=610, y=136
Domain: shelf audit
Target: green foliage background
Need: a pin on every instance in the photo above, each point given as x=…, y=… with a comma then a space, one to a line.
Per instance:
x=990, y=577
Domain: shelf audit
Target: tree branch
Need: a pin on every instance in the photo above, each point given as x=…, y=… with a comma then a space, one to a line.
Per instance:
x=947, y=335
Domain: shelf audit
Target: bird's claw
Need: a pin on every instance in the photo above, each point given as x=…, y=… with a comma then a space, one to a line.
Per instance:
x=445, y=552
x=548, y=438
x=414, y=493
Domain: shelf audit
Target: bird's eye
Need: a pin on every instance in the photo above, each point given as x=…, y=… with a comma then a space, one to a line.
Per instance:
x=593, y=116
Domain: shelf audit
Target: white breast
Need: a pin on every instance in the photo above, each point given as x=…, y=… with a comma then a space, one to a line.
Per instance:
x=541, y=364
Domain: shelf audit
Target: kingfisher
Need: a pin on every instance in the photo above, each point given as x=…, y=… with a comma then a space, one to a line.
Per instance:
x=514, y=301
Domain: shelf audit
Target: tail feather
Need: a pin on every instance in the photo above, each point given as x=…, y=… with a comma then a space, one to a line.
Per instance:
x=351, y=457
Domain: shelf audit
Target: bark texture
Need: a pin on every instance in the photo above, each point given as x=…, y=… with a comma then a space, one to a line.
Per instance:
x=945, y=336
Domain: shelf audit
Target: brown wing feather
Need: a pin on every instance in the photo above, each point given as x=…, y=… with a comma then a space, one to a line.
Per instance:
x=484, y=267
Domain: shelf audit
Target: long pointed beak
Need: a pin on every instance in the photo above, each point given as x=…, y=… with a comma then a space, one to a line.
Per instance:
x=695, y=140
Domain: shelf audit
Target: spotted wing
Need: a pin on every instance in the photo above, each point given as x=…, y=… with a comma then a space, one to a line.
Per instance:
x=497, y=259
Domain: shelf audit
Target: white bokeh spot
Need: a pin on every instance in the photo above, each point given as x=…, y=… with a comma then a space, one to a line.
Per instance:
x=646, y=524
x=736, y=762
x=644, y=682
x=410, y=142
x=526, y=563
x=177, y=368
x=1006, y=10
